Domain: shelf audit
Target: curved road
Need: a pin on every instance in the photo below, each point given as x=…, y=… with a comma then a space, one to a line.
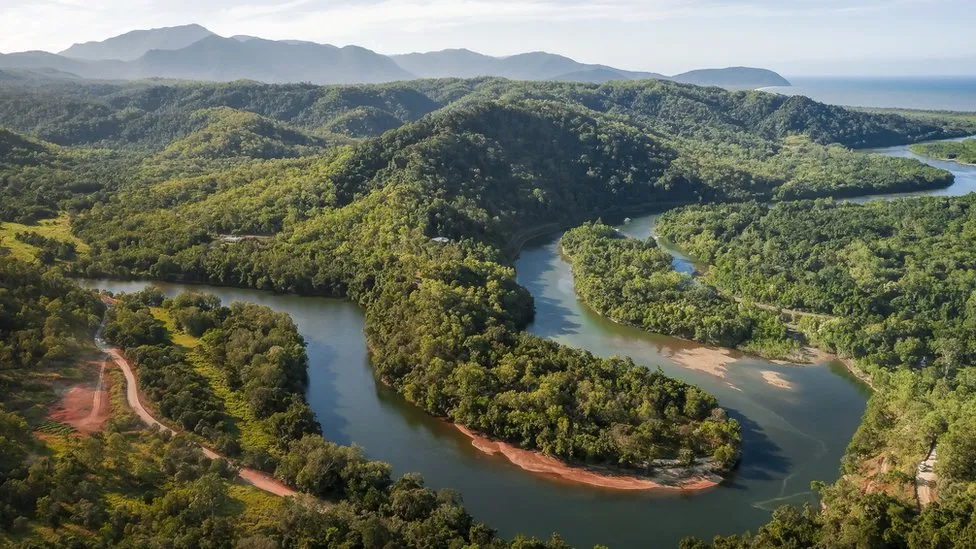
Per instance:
x=256, y=478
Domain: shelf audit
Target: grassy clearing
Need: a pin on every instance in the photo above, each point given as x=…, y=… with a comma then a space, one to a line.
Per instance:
x=258, y=509
x=58, y=228
x=179, y=338
x=249, y=430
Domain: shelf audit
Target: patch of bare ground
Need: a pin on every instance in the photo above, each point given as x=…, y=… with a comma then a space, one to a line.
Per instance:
x=880, y=475
x=683, y=479
x=83, y=406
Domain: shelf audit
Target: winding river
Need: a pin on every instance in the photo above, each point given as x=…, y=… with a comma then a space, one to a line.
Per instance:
x=790, y=436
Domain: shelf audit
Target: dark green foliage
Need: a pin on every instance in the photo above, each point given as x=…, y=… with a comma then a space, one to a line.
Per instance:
x=156, y=114
x=898, y=279
x=632, y=282
x=896, y=272
x=261, y=353
x=228, y=133
x=38, y=179
x=43, y=316
x=135, y=489
x=442, y=319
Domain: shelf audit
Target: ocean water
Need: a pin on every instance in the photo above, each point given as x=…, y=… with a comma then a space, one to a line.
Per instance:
x=929, y=93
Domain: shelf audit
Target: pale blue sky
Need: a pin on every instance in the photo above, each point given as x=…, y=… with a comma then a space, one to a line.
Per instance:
x=796, y=37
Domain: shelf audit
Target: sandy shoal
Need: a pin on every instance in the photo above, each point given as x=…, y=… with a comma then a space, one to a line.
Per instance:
x=536, y=462
x=714, y=361
x=775, y=379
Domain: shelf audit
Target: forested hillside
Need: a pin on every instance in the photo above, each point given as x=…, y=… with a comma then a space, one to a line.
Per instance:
x=149, y=114
x=40, y=179
x=443, y=319
x=417, y=225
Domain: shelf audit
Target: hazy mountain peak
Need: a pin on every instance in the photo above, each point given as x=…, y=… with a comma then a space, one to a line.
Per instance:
x=733, y=77
x=193, y=52
x=135, y=44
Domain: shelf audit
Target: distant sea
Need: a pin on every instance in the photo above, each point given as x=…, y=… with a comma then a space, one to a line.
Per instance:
x=948, y=93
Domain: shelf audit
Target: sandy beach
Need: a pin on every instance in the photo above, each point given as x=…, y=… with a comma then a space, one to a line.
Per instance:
x=535, y=462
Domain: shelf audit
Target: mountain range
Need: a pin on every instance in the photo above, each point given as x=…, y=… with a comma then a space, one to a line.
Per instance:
x=193, y=52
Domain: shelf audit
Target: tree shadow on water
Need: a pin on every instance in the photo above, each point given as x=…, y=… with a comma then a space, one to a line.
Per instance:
x=762, y=459
x=323, y=393
x=552, y=319
x=535, y=269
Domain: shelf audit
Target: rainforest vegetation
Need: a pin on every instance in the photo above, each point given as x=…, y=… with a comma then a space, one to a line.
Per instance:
x=409, y=199
x=631, y=281
x=126, y=487
x=958, y=151
x=895, y=281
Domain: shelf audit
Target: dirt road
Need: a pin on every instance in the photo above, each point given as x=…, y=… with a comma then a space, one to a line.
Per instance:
x=256, y=478
x=925, y=480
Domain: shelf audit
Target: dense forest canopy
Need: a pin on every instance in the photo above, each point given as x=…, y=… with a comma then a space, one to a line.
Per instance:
x=632, y=281
x=409, y=199
x=125, y=487
x=897, y=280
x=151, y=114
x=500, y=159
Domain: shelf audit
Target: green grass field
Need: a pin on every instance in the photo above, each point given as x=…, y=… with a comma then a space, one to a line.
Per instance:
x=182, y=339
x=58, y=228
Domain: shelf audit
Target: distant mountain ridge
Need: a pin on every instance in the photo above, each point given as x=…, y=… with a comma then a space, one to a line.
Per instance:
x=195, y=53
x=463, y=63
x=134, y=44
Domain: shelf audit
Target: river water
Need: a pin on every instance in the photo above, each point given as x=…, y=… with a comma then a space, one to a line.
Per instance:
x=790, y=436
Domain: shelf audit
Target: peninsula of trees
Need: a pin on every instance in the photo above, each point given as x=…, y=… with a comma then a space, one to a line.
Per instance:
x=963, y=151
x=632, y=282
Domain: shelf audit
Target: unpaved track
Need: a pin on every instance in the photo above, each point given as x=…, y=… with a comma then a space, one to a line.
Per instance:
x=925, y=480
x=251, y=476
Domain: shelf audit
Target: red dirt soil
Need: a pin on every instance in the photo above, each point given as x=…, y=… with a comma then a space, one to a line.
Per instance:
x=538, y=463
x=84, y=408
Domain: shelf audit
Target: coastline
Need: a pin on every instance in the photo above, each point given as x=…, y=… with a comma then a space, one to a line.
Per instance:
x=536, y=462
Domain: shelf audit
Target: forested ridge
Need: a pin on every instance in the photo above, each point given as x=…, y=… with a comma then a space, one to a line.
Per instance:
x=898, y=279
x=413, y=225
